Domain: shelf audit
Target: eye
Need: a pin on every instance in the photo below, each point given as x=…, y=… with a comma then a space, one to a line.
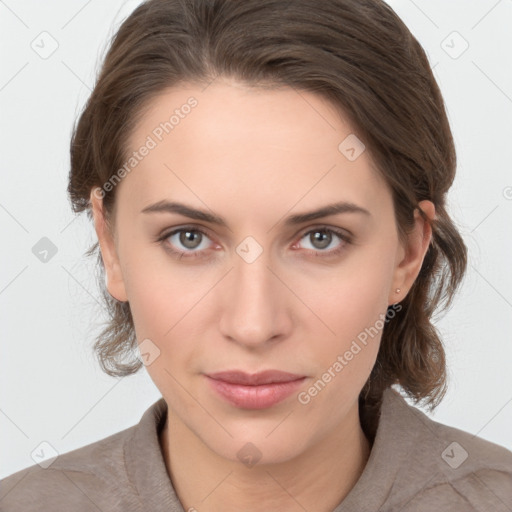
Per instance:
x=188, y=238
x=323, y=237
x=189, y=241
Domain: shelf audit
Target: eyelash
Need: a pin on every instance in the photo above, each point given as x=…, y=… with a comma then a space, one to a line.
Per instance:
x=197, y=254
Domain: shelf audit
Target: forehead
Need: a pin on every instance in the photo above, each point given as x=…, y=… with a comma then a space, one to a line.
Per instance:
x=227, y=139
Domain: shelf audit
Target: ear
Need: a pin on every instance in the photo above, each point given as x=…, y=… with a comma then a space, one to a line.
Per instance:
x=410, y=258
x=113, y=275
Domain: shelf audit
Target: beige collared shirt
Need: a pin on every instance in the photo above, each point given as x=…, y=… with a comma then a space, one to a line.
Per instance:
x=416, y=464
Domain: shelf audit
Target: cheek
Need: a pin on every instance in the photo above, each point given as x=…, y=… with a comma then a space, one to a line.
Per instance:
x=352, y=295
x=345, y=359
x=351, y=304
x=161, y=293
x=170, y=307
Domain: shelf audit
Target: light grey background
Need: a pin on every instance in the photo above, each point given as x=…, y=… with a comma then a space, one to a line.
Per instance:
x=51, y=386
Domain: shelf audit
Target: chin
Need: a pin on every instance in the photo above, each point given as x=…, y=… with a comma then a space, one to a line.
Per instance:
x=257, y=447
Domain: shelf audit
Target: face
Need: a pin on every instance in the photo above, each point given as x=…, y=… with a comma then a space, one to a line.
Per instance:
x=263, y=289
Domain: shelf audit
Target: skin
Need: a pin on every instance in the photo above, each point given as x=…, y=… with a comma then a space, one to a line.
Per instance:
x=255, y=157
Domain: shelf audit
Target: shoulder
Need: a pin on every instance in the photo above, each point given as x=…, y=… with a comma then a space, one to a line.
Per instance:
x=469, y=471
x=87, y=478
x=447, y=466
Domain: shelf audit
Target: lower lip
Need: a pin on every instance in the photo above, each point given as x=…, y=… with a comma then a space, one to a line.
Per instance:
x=255, y=397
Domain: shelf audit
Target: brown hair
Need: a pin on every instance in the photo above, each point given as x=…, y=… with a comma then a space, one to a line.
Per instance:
x=358, y=55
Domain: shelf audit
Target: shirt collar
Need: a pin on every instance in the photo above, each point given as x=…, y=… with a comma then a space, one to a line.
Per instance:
x=145, y=465
x=394, y=440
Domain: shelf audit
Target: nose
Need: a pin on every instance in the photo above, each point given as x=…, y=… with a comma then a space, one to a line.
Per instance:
x=255, y=304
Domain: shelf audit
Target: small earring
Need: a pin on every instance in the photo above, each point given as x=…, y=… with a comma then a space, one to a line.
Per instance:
x=397, y=290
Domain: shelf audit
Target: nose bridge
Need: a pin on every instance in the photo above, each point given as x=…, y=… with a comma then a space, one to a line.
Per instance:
x=253, y=311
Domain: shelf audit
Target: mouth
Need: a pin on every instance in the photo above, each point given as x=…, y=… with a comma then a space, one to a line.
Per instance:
x=255, y=379
x=254, y=391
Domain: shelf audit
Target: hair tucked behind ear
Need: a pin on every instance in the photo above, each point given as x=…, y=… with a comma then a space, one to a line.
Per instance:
x=355, y=53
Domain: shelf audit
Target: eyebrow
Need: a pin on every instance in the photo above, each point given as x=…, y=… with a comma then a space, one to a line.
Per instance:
x=165, y=206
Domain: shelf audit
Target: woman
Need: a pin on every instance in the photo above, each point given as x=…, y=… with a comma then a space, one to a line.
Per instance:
x=268, y=181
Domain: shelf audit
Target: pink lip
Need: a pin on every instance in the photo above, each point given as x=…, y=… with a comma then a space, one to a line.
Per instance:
x=257, y=391
x=265, y=377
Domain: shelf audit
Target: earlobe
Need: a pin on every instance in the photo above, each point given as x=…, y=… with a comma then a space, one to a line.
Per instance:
x=113, y=275
x=410, y=263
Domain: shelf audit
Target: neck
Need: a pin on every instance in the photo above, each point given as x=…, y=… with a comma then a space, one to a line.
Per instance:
x=318, y=478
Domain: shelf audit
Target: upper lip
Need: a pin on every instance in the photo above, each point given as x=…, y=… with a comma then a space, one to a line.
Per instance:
x=255, y=379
